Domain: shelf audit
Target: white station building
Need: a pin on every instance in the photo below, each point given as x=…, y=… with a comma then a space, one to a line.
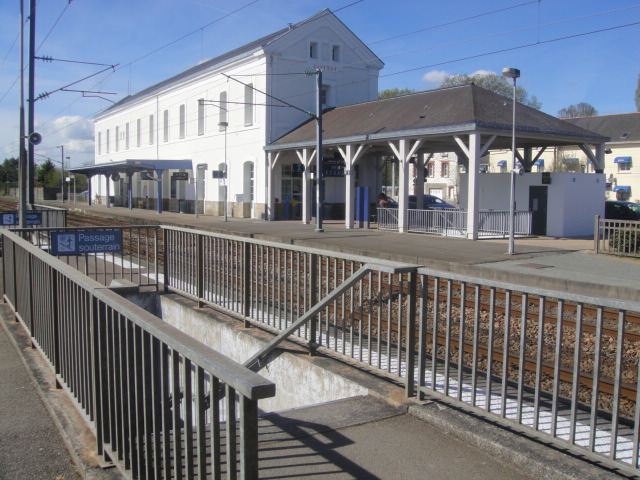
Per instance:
x=238, y=135
x=202, y=133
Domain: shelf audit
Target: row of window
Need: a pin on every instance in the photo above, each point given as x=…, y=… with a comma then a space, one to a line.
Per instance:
x=121, y=137
x=430, y=170
x=328, y=52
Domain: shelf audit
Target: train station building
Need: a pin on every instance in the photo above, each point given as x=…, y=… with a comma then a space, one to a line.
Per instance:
x=237, y=135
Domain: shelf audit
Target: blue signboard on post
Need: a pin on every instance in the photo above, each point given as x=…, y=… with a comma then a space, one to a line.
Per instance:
x=11, y=219
x=82, y=242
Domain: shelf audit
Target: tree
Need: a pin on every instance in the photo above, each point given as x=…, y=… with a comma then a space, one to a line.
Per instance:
x=564, y=163
x=393, y=92
x=580, y=110
x=9, y=170
x=46, y=174
x=495, y=83
x=638, y=94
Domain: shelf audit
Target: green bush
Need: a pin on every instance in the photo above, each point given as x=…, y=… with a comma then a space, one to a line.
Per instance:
x=626, y=240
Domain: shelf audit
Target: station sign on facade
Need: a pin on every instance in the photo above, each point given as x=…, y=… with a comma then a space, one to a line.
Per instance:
x=83, y=242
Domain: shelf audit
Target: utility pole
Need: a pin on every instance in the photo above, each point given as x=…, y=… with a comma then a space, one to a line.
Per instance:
x=319, y=180
x=22, y=172
x=31, y=119
x=62, y=172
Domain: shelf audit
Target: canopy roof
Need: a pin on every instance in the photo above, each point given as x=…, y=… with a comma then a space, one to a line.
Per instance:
x=132, y=166
x=438, y=114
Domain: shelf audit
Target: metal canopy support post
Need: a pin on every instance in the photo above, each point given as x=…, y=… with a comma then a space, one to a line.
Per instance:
x=129, y=199
x=89, y=178
x=108, y=177
x=159, y=172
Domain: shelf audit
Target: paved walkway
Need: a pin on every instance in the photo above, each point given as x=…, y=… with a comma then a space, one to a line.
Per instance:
x=30, y=443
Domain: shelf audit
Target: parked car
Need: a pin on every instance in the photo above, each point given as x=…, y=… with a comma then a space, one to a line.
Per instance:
x=633, y=206
x=430, y=202
x=614, y=210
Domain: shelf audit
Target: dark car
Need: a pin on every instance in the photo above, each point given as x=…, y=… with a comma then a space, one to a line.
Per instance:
x=620, y=211
x=429, y=202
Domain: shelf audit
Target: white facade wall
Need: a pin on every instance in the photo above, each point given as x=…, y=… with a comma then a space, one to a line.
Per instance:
x=349, y=74
x=574, y=199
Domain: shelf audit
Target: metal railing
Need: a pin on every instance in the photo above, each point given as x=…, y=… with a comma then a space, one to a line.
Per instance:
x=558, y=366
x=46, y=217
x=161, y=404
x=450, y=222
x=137, y=261
x=617, y=237
x=447, y=222
x=496, y=222
x=387, y=219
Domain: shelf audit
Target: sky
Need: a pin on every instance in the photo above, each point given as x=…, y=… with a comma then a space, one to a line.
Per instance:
x=568, y=51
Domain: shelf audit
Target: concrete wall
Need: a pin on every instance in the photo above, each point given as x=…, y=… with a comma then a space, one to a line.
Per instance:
x=574, y=199
x=300, y=380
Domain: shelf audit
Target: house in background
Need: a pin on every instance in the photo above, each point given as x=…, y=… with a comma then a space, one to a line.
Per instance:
x=203, y=131
x=622, y=154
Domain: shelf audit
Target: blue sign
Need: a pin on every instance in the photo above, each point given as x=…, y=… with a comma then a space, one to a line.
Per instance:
x=9, y=219
x=82, y=242
x=332, y=167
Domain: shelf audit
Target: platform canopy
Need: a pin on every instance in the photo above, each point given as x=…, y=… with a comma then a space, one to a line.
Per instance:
x=467, y=120
x=129, y=167
x=132, y=166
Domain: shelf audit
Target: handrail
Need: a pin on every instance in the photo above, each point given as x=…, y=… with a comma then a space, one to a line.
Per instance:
x=149, y=391
x=254, y=361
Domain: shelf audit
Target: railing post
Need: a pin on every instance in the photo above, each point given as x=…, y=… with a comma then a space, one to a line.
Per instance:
x=411, y=335
x=246, y=283
x=200, y=268
x=55, y=318
x=596, y=235
x=248, y=439
x=313, y=298
x=165, y=264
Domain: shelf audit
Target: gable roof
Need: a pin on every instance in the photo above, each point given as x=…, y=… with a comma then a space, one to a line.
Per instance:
x=612, y=126
x=243, y=51
x=436, y=112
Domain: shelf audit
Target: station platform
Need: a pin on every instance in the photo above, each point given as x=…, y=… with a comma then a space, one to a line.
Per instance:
x=565, y=264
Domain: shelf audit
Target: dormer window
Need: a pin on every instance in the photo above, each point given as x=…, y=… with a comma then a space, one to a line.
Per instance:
x=313, y=50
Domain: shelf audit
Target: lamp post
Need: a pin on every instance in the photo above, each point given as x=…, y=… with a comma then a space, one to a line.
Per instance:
x=512, y=73
x=225, y=125
x=68, y=180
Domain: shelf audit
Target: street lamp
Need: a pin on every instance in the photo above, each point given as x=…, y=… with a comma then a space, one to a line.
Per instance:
x=512, y=73
x=69, y=187
x=225, y=179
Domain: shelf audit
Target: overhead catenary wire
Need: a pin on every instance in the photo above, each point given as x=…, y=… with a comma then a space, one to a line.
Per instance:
x=468, y=57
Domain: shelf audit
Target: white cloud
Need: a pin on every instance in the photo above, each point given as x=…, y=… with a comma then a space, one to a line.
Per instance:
x=76, y=133
x=483, y=72
x=435, y=76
